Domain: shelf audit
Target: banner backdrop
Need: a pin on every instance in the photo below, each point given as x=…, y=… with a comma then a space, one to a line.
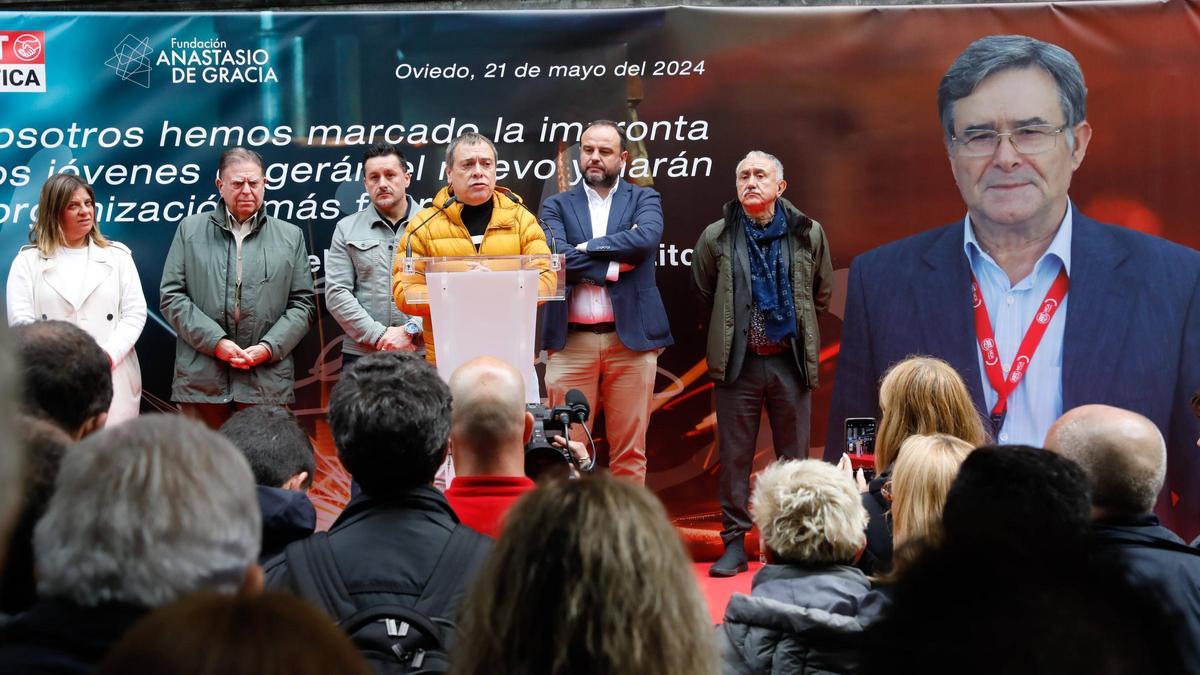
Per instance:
x=141, y=105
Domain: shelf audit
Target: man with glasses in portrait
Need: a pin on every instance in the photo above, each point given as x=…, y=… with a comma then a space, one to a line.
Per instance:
x=1040, y=308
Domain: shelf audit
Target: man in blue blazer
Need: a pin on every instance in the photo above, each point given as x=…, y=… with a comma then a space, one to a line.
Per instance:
x=606, y=338
x=1040, y=308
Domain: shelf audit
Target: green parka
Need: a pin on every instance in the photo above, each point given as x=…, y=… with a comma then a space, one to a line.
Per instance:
x=199, y=296
x=812, y=285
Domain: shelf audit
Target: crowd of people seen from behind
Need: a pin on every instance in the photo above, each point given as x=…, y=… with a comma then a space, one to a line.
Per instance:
x=159, y=546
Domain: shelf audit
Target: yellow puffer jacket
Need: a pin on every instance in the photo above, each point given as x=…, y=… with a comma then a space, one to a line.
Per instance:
x=512, y=231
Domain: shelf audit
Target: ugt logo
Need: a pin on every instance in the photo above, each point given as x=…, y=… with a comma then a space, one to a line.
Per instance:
x=22, y=61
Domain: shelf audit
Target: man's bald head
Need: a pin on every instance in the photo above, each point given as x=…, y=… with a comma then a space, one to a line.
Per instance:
x=1122, y=452
x=488, y=419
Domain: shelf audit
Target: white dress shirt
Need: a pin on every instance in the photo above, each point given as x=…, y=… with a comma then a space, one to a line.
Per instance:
x=1037, y=401
x=590, y=303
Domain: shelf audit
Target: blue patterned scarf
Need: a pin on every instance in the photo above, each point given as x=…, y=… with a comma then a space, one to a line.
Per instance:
x=768, y=277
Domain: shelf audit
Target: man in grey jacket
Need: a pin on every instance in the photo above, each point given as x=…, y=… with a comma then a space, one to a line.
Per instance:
x=358, y=264
x=237, y=289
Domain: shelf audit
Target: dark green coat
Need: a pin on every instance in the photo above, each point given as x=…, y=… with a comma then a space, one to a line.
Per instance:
x=713, y=268
x=198, y=293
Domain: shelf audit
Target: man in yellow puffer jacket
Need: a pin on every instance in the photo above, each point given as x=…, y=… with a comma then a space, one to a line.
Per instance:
x=471, y=216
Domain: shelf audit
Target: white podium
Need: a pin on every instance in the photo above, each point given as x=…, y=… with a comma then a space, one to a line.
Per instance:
x=487, y=306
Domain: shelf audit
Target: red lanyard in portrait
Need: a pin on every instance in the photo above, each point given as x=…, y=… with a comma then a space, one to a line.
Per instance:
x=1004, y=386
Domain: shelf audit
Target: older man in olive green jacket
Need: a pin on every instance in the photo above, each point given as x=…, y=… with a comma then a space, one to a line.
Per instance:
x=237, y=289
x=765, y=271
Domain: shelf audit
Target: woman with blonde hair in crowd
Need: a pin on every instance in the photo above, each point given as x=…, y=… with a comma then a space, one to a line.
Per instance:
x=921, y=478
x=70, y=272
x=919, y=395
x=587, y=578
x=923, y=395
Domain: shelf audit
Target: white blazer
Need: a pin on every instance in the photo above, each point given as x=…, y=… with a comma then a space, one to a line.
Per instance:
x=113, y=309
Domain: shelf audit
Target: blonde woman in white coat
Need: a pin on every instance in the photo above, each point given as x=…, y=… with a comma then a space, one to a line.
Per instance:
x=72, y=273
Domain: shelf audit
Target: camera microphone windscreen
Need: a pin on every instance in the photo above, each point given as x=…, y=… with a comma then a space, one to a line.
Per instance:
x=578, y=404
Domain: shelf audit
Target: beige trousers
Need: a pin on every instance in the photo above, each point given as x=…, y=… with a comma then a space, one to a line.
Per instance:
x=615, y=379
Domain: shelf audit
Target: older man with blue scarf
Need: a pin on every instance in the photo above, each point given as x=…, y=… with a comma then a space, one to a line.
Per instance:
x=764, y=271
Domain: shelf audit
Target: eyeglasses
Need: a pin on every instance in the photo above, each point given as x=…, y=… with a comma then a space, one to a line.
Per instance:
x=1030, y=140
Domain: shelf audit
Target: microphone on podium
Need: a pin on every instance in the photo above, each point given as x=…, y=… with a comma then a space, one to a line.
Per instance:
x=409, y=266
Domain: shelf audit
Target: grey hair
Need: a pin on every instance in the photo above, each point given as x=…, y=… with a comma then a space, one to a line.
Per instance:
x=146, y=512
x=239, y=154
x=468, y=138
x=765, y=155
x=809, y=512
x=995, y=53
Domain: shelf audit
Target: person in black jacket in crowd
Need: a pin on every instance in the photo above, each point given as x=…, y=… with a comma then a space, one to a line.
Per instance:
x=1014, y=588
x=1125, y=459
x=66, y=376
x=390, y=418
x=142, y=514
x=281, y=457
x=809, y=606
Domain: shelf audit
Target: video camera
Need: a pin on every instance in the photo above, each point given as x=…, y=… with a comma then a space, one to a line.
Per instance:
x=542, y=455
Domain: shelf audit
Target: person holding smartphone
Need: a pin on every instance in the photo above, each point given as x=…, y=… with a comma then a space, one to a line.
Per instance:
x=919, y=395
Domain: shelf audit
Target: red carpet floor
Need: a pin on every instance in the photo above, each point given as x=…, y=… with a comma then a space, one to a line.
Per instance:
x=717, y=591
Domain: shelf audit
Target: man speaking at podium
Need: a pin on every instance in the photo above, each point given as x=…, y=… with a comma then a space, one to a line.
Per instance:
x=605, y=339
x=1040, y=308
x=469, y=217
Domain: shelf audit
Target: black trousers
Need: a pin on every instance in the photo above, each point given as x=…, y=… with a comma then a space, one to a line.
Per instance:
x=771, y=382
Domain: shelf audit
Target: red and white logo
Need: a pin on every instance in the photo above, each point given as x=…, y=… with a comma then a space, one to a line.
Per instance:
x=28, y=48
x=989, y=352
x=22, y=61
x=1047, y=310
x=1018, y=370
x=976, y=301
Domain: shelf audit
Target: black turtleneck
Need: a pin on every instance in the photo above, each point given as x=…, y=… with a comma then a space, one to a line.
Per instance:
x=476, y=218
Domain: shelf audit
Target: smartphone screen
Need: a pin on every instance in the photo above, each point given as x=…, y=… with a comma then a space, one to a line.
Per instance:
x=860, y=443
x=860, y=436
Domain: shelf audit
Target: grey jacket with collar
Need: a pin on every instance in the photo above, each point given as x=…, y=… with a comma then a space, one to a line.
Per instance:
x=358, y=278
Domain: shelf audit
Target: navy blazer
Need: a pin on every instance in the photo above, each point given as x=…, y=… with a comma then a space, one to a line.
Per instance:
x=1132, y=338
x=638, y=309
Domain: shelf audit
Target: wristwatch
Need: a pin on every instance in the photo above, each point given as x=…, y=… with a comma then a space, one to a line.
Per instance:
x=412, y=327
